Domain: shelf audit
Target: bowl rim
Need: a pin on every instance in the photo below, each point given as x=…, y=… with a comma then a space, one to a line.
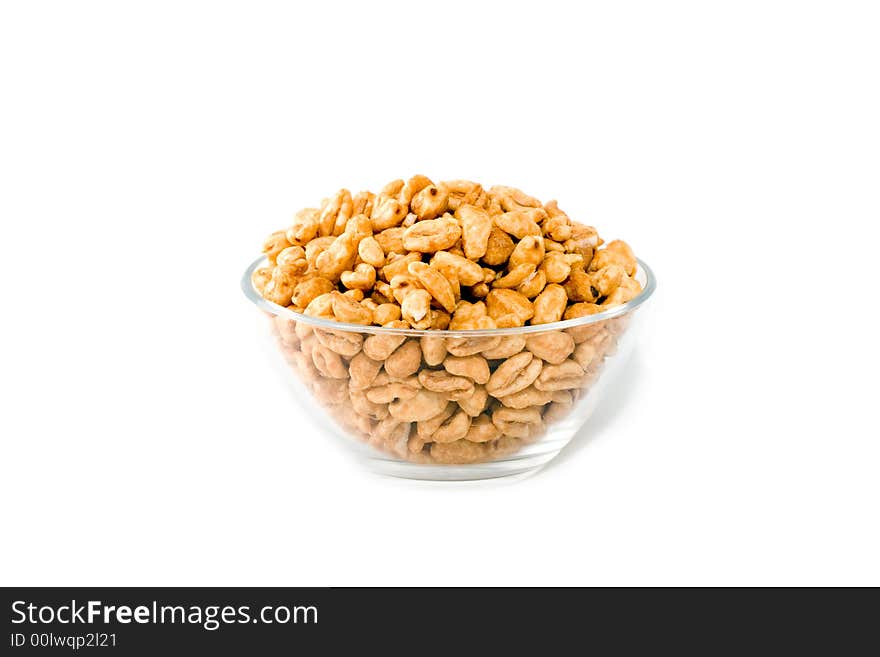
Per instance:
x=279, y=311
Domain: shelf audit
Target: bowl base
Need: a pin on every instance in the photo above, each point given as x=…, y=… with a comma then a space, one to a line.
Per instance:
x=518, y=467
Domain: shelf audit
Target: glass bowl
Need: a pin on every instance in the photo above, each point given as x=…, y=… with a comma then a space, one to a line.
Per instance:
x=452, y=405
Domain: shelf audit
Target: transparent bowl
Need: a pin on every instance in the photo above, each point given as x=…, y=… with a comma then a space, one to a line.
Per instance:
x=452, y=405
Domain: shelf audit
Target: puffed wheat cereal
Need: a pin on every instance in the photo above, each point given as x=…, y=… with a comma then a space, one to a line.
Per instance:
x=420, y=257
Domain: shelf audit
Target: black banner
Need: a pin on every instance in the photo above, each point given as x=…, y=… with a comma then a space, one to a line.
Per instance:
x=135, y=621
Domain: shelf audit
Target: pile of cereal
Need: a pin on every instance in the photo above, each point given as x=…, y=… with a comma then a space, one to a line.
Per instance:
x=443, y=255
x=420, y=255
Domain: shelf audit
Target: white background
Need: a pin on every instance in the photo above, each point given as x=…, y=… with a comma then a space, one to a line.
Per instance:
x=147, y=148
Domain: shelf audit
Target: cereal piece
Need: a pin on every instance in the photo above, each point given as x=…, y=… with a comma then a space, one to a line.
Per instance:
x=454, y=387
x=514, y=374
x=292, y=260
x=629, y=288
x=516, y=422
x=416, y=308
x=504, y=302
x=398, y=265
x=362, y=405
x=476, y=225
x=482, y=430
x=529, y=250
x=474, y=403
x=452, y=429
x=473, y=367
x=616, y=252
x=472, y=345
x=463, y=270
x=329, y=363
x=439, y=320
x=581, y=333
x=360, y=226
x=275, y=244
x=390, y=240
x=412, y=187
x=432, y=235
x=415, y=444
x=430, y=202
x=584, y=241
x=424, y=405
x=260, y=278
x=321, y=306
x=403, y=284
x=508, y=321
x=557, y=226
x=387, y=213
x=305, y=226
x=464, y=192
x=581, y=310
x=605, y=280
x=584, y=354
x=550, y=305
x=338, y=257
x=459, y=452
x=527, y=397
x=381, y=346
x=425, y=428
x=392, y=434
x=315, y=248
x=520, y=223
x=386, y=312
x=349, y=311
x=515, y=276
x=433, y=349
x=557, y=265
x=550, y=245
x=370, y=252
x=344, y=343
x=498, y=248
x=303, y=330
x=363, y=370
x=564, y=376
x=512, y=198
x=471, y=316
x=306, y=290
x=507, y=347
x=552, y=347
x=405, y=360
x=480, y=291
x=362, y=203
x=335, y=214
x=362, y=278
x=280, y=288
x=384, y=390
x=533, y=285
x=393, y=188
x=435, y=283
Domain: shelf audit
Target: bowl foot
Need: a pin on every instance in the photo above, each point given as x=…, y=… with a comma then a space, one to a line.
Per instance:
x=515, y=467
